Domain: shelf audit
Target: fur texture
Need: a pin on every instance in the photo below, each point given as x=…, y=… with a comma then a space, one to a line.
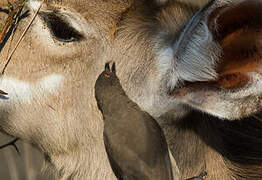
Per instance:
x=67, y=126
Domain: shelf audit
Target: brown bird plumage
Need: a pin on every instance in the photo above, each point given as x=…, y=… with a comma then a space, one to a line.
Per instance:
x=134, y=142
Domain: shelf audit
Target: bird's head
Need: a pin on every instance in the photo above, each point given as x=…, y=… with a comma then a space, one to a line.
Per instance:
x=107, y=83
x=108, y=77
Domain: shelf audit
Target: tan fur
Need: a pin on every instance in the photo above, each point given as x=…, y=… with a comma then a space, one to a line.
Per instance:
x=66, y=125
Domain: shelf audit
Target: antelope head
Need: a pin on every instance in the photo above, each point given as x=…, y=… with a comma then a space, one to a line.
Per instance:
x=169, y=54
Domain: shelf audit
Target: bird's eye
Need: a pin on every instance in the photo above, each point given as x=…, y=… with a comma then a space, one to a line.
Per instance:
x=60, y=28
x=107, y=75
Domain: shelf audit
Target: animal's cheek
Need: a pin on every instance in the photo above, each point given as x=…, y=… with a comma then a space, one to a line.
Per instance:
x=30, y=106
x=23, y=92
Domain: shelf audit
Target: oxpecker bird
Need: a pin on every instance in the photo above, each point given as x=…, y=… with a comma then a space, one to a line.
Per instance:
x=134, y=142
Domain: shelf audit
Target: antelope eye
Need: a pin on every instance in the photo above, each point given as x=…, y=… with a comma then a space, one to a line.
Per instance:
x=60, y=28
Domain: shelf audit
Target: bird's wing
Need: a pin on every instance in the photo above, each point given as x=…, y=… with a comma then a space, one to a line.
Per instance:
x=126, y=174
x=115, y=167
x=138, y=140
x=149, y=145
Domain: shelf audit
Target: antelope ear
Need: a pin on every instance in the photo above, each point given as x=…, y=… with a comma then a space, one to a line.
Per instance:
x=160, y=2
x=237, y=29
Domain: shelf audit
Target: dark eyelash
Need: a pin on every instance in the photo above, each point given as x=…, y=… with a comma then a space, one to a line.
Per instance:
x=60, y=29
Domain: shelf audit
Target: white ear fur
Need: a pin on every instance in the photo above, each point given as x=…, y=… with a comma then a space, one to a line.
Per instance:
x=197, y=3
x=193, y=57
x=161, y=2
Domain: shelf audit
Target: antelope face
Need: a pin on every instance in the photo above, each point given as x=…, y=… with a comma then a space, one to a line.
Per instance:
x=59, y=46
x=50, y=82
x=165, y=57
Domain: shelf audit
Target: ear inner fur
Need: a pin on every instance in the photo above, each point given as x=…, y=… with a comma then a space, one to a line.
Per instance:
x=239, y=32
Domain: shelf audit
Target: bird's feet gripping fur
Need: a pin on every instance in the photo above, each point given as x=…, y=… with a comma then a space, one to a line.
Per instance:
x=202, y=176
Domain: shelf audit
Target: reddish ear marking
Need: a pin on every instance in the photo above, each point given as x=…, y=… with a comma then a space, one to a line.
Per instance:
x=242, y=52
x=230, y=81
x=238, y=29
x=107, y=75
